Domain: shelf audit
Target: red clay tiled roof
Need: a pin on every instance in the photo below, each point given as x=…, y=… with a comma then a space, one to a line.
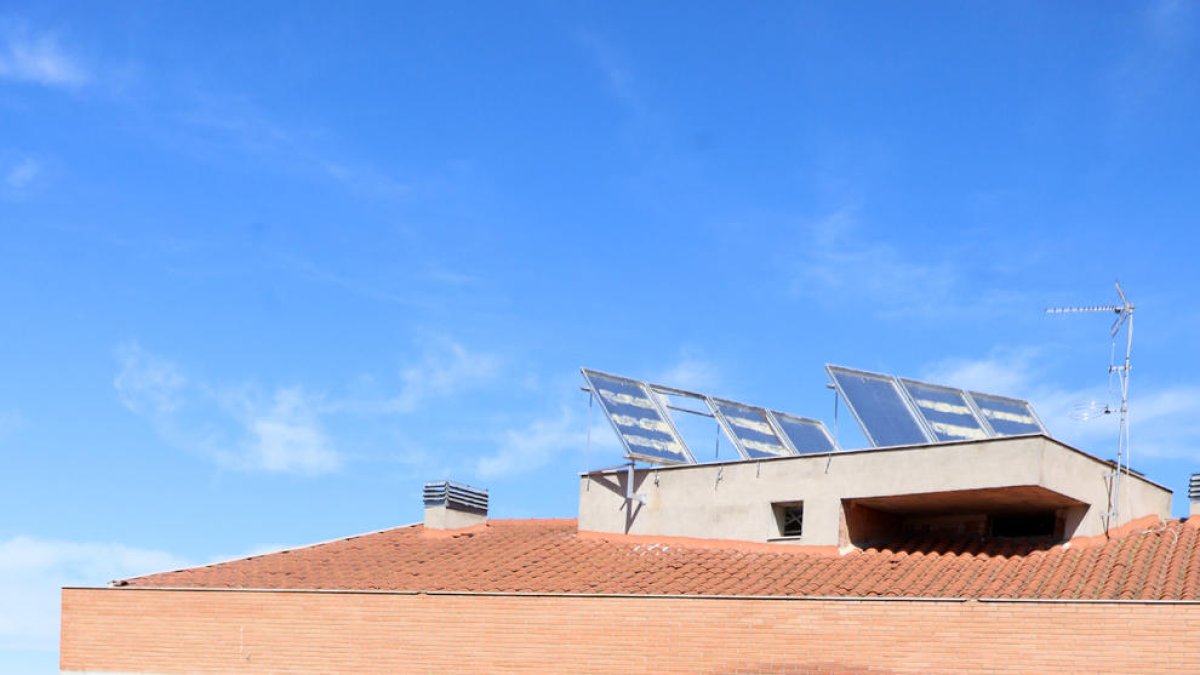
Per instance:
x=1161, y=562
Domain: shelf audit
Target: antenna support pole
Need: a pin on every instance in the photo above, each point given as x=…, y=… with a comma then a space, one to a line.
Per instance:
x=1124, y=312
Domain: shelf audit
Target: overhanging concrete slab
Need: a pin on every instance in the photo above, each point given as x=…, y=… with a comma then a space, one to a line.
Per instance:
x=1014, y=499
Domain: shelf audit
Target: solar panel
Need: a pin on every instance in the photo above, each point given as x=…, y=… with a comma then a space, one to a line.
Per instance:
x=879, y=406
x=638, y=418
x=946, y=411
x=750, y=429
x=807, y=436
x=1008, y=416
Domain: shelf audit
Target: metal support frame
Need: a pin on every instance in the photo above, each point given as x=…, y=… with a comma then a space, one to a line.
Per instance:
x=630, y=495
x=630, y=468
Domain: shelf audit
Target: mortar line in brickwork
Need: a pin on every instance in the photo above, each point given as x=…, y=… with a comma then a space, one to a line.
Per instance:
x=647, y=596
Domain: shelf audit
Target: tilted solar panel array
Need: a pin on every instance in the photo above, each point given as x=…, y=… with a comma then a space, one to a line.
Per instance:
x=640, y=415
x=891, y=411
x=899, y=411
x=1007, y=416
x=751, y=429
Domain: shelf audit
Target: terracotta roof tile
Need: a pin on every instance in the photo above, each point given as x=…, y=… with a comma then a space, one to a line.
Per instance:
x=1159, y=562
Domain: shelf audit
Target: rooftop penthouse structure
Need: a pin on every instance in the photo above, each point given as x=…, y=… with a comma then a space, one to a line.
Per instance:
x=944, y=462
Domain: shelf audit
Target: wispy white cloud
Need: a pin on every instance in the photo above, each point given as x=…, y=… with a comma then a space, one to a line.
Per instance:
x=1165, y=423
x=445, y=369
x=690, y=372
x=285, y=429
x=22, y=174
x=286, y=437
x=281, y=434
x=374, y=289
x=534, y=445
x=663, y=154
x=32, y=570
x=38, y=58
x=148, y=384
x=444, y=373
x=839, y=263
x=365, y=179
x=1005, y=372
x=573, y=431
x=411, y=288
x=614, y=67
x=236, y=124
x=1159, y=54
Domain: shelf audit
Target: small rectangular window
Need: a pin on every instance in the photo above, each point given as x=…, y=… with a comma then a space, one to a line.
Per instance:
x=789, y=517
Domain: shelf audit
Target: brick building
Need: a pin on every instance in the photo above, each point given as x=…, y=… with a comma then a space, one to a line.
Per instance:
x=1000, y=554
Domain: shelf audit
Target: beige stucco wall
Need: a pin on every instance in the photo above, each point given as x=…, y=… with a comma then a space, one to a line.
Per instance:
x=443, y=518
x=733, y=500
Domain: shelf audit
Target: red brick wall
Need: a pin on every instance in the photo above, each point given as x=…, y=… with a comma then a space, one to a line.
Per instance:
x=125, y=630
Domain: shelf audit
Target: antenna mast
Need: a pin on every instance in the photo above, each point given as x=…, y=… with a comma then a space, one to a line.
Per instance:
x=1124, y=312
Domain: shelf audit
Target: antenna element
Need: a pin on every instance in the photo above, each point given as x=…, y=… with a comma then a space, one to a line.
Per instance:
x=1124, y=312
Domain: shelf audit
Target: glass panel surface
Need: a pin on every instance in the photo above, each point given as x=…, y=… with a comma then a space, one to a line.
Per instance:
x=751, y=430
x=879, y=407
x=637, y=419
x=1007, y=416
x=807, y=436
x=946, y=411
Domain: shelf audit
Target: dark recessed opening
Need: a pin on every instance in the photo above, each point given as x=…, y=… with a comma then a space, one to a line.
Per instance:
x=789, y=517
x=1024, y=524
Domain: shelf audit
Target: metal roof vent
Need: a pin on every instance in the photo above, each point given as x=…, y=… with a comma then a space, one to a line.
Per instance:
x=1194, y=495
x=456, y=495
x=451, y=506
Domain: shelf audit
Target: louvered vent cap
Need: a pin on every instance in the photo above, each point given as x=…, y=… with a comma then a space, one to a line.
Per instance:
x=456, y=496
x=1194, y=487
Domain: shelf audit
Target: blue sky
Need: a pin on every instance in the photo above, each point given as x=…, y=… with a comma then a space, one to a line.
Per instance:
x=265, y=269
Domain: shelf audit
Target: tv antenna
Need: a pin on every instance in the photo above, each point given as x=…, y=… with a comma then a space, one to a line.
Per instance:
x=1124, y=312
